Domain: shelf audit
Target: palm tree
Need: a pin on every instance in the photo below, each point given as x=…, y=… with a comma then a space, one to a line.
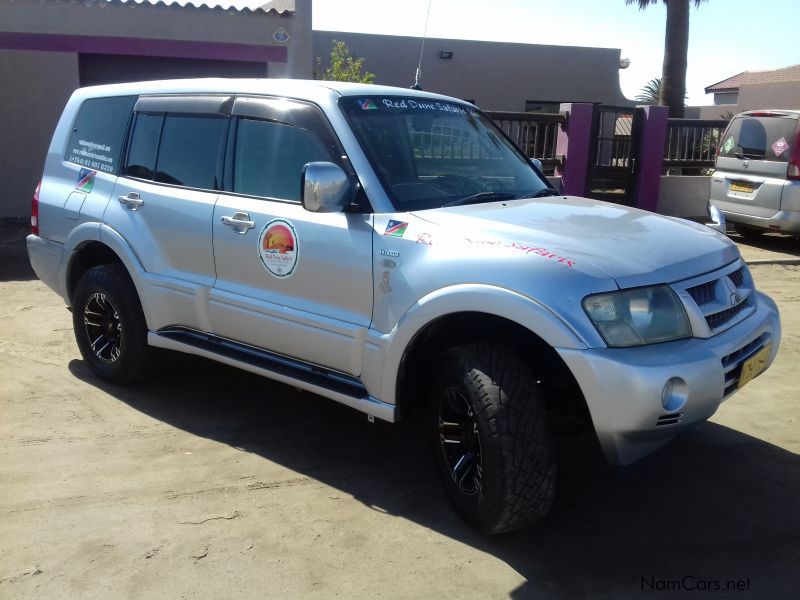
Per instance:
x=676, y=48
x=650, y=92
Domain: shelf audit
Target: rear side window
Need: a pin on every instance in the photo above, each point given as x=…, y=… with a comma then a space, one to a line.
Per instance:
x=143, y=148
x=190, y=151
x=270, y=157
x=760, y=138
x=180, y=150
x=98, y=133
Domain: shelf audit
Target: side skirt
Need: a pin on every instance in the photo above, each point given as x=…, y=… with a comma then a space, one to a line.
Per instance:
x=330, y=384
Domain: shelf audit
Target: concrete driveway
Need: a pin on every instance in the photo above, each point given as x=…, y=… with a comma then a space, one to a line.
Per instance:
x=210, y=482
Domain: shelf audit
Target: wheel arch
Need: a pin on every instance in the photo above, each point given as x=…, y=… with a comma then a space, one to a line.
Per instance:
x=100, y=245
x=473, y=312
x=563, y=395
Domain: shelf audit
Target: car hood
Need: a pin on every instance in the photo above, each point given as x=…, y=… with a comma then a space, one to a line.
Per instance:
x=632, y=246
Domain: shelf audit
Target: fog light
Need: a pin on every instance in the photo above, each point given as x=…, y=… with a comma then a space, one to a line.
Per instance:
x=674, y=394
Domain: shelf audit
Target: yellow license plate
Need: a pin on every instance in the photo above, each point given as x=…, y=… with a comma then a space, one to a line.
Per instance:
x=742, y=186
x=754, y=365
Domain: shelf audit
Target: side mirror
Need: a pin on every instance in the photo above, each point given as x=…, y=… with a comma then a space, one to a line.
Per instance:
x=324, y=188
x=537, y=163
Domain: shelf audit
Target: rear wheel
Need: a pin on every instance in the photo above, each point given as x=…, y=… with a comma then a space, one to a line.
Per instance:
x=110, y=327
x=490, y=438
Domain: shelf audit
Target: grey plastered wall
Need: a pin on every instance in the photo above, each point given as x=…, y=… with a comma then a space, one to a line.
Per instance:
x=35, y=87
x=496, y=75
x=778, y=94
x=684, y=196
x=102, y=18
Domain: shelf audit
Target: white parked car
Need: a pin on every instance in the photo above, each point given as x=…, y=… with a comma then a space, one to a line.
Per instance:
x=756, y=184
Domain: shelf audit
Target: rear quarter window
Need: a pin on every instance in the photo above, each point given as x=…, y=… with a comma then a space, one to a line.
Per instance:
x=760, y=138
x=98, y=133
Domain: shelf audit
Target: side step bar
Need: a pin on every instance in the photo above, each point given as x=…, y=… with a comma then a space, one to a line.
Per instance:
x=337, y=386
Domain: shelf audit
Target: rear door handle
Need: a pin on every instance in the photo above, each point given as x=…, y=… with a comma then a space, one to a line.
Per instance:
x=240, y=222
x=132, y=200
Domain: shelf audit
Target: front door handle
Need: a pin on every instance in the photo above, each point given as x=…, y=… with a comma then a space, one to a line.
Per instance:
x=133, y=201
x=240, y=222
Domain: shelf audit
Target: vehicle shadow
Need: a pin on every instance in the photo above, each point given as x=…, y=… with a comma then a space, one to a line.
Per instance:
x=715, y=504
x=773, y=242
x=14, y=264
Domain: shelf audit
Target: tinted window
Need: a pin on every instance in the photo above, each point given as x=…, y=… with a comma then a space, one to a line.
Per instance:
x=98, y=132
x=269, y=158
x=431, y=153
x=190, y=150
x=143, y=148
x=760, y=138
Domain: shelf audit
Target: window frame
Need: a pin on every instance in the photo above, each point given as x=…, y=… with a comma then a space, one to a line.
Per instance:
x=256, y=108
x=204, y=106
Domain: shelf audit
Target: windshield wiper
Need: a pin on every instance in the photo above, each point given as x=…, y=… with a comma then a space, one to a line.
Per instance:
x=480, y=197
x=542, y=193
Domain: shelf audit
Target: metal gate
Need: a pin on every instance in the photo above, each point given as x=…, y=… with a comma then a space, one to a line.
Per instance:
x=612, y=160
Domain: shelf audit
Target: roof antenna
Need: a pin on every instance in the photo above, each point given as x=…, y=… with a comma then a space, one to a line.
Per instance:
x=418, y=75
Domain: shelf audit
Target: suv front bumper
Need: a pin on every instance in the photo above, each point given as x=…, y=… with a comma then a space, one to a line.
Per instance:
x=623, y=386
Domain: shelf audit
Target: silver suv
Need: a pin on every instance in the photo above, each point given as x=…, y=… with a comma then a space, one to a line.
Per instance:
x=393, y=251
x=756, y=184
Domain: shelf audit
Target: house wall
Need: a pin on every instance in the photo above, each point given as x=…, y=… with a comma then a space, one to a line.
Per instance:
x=782, y=94
x=35, y=84
x=496, y=75
x=725, y=98
x=684, y=196
x=29, y=109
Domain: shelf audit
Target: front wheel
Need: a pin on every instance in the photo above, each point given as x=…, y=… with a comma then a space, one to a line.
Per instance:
x=491, y=443
x=110, y=327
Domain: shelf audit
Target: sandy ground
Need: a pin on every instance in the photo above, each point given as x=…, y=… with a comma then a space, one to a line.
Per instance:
x=210, y=482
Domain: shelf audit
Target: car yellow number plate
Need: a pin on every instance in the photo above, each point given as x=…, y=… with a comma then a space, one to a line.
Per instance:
x=742, y=186
x=754, y=365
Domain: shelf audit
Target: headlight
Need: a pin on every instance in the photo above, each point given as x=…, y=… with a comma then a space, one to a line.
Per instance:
x=637, y=317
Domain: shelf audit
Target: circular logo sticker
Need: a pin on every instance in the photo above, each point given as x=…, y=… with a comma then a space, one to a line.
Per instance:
x=277, y=248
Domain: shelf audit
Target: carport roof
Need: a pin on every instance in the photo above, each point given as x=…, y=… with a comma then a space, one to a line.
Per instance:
x=280, y=7
x=732, y=84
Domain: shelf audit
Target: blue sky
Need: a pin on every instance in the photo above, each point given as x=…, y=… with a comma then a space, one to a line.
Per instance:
x=726, y=36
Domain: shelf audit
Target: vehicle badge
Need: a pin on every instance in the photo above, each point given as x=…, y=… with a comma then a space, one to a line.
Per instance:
x=746, y=163
x=734, y=297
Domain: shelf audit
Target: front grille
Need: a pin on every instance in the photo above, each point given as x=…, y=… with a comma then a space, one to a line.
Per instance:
x=671, y=419
x=737, y=277
x=732, y=363
x=717, y=320
x=703, y=293
x=722, y=298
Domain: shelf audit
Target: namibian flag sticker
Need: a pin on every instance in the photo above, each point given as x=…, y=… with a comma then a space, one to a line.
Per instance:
x=86, y=180
x=396, y=228
x=368, y=104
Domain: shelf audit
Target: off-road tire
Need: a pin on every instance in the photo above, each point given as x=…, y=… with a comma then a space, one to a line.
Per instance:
x=517, y=452
x=109, y=287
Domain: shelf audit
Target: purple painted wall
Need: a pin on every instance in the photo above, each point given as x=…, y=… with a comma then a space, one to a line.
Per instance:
x=84, y=44
x=574, y=143
x=647, y=177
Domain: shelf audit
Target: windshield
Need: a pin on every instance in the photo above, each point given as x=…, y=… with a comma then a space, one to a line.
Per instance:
x=430, y=153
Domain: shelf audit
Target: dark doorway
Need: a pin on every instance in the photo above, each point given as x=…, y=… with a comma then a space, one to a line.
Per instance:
x=612, y=159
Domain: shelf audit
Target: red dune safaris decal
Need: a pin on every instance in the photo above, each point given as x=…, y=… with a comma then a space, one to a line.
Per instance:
x=277, y=248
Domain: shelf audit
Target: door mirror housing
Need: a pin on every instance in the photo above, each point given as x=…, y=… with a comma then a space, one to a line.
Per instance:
x=537, y=163
x=325, y=188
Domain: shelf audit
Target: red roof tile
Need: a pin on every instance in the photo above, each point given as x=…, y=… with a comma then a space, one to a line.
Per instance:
x=732, y=84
